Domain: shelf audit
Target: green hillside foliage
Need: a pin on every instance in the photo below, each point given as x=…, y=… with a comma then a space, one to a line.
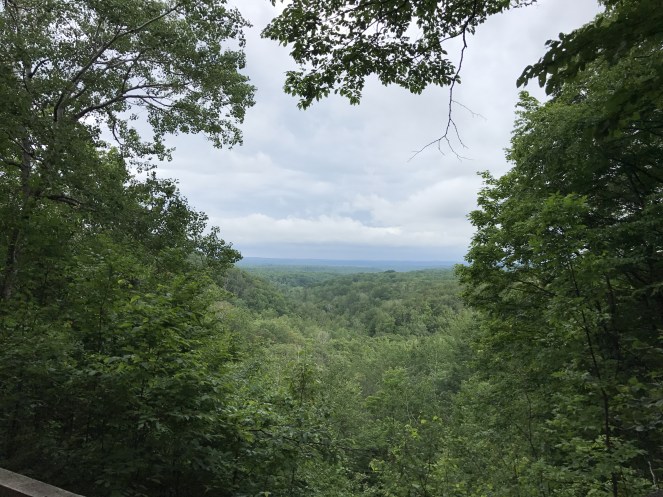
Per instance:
x=137, y=361
x=566, y=267
x=339, y=402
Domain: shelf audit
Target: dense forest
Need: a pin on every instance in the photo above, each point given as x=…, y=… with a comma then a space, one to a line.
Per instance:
x=136, y=360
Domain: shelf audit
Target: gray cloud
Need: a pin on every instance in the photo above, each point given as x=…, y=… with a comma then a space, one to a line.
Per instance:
x=341, y=181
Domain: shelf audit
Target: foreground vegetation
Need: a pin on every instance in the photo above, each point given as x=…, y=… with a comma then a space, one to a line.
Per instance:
x=251, y=382
x=135, y=360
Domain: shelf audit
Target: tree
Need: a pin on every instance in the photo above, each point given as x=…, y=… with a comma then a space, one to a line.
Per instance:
x=113, y=366
x=610, y=37
x=339, y=43
x=113, y=369
x=566, y=265
x=72, y=70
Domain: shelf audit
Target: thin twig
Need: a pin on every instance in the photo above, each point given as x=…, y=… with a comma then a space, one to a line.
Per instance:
x=451, y=124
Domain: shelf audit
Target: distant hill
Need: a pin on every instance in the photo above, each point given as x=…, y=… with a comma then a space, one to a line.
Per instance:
x=339, y=265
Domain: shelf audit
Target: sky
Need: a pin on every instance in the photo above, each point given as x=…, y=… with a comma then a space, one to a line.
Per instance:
x=340, y=182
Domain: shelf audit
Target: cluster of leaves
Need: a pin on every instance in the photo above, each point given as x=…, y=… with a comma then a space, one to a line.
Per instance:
x=340, y=43
x=566, y=265
x=349, y=413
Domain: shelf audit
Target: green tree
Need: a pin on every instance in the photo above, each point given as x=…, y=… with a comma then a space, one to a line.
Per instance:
x=70, y=70
x=113, y=369
x=339, y=43
x=566, y=265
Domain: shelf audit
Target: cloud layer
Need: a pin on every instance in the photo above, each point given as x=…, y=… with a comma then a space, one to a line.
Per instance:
x=341, y=181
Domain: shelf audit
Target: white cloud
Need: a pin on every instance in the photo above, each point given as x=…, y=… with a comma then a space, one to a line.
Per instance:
x=340, y=180
x=337, y=230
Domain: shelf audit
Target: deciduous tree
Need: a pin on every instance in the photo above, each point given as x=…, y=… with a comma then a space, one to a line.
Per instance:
x=70, y=70
x=566, y=264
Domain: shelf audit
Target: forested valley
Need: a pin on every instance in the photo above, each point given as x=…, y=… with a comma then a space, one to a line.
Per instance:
x=137, y=360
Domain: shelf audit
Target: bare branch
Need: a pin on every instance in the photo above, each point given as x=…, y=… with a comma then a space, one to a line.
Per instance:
x=474, y=114
x=64, y=199
x=451, y=124
x=122, y=96
x=36, y=68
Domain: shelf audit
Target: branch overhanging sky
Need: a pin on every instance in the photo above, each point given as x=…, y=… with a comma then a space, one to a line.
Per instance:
x=340, y=182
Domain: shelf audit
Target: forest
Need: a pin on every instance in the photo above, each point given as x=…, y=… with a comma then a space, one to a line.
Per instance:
x=137, y=360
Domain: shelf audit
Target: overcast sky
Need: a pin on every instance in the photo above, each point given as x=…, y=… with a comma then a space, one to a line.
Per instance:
x=338, y=181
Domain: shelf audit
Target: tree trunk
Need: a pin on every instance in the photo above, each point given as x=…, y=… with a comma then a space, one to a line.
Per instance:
x=18, y=231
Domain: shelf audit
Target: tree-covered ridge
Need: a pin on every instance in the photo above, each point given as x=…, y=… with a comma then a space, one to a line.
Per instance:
x=370, y=304
x=346, y=399
x=136, y=361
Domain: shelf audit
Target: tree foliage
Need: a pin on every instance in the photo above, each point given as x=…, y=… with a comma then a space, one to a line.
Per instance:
x=71, y=70
x=113, y=368
x=341, y=42
x=338, y=44
x=109, y=385
x=134, y=361
x=566, y=264
x=610, y=37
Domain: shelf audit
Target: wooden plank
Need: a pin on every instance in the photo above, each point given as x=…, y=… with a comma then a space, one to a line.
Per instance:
x=15, y=485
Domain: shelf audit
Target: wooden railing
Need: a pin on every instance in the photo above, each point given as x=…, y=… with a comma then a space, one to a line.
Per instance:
x=15, y=485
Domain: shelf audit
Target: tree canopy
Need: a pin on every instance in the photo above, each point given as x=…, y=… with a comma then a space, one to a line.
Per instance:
x=76, y=69
x=339, y=43
x=135, y=361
